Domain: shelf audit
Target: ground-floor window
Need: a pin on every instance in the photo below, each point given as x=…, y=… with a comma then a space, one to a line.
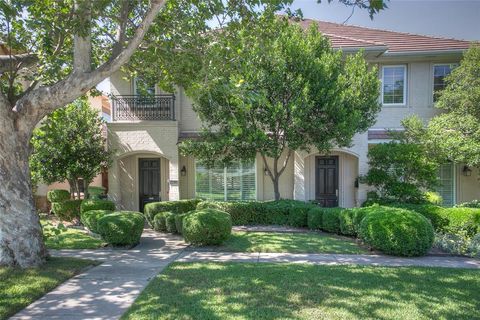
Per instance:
x=234, y=182
x=446, y=187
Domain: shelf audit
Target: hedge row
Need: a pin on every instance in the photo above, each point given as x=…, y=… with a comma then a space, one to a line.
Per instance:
x=282, y=212
x=448, y=220
x=392, y=230
x=181, y=206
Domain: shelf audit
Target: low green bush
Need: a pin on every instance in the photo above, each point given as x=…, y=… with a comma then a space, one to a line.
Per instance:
x=90, y=218
x=281, y=212
x=121, y=228
x=67, y=210
x=96, y=204
x=331, y=219
x=435, y=214
x=315, y=218
x=170, y=222
x=179, y=221
x=397, y=231
x=207, y=227
x=96, y=192
x=448, y=220
x=159, y=222
x=347, y=224
x=58, y=195
x=180, y=206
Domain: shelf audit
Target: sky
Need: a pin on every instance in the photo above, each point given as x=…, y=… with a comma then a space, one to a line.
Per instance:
x=458, y=19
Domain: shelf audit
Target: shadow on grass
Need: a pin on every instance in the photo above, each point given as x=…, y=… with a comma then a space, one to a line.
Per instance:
x=289, y=242
x=273, y=291
x=20, y=287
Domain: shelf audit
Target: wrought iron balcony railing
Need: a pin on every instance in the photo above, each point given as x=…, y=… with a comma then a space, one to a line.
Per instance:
x=137, y=107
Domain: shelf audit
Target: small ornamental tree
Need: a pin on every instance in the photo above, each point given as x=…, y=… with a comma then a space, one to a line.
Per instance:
x=400, y=171
x=70, y=145
x=455, y=134
x=57, y=50
x=273, y=88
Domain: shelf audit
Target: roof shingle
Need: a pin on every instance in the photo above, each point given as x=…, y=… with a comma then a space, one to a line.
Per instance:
x=347, y=36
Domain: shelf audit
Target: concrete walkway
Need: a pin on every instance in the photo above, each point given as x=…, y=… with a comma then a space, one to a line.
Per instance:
x=330, y=259
x=106, y=291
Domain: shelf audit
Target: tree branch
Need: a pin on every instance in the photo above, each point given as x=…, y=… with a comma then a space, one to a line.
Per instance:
x=122, y=26
x=7, y=61
x=82, y=41
x=41, y=101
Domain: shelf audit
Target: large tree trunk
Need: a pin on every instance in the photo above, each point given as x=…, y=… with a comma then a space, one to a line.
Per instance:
x=21, y=239
x=276, y=188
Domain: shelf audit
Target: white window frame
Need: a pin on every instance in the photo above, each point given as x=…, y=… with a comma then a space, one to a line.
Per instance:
x=451, y=65
x=454, y=183
x=135, y=86
x=225, y=181
x=405, y=84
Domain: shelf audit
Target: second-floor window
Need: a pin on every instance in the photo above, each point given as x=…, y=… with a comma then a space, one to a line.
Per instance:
x=394, y=86
x=142, y=88
x=440, y=72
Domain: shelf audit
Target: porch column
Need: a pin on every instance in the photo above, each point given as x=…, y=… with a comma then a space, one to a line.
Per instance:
x=299, y=189
x=114, y=183
x=173, y=182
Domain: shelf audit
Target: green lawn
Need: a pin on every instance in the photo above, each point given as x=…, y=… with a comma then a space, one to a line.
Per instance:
x=217, y=291
x=19, y=288
x=289, y=242
x=73, y=239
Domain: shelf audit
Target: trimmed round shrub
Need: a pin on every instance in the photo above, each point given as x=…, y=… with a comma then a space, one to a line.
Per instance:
x=170, y=222
x=179, y=221
x=180, y=206
x=298, y=214
x=207, y=227
x=58, y=195
x=96, y=204
x=96, y=192
x=396, y=231
x=90, y=218
x=315, y=218
x=159, y=222
x=67, y=210
x=347, y=226
x=331, y=219
x=121, y=228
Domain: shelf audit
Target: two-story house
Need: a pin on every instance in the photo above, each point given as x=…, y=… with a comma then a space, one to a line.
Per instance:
x=145, y=131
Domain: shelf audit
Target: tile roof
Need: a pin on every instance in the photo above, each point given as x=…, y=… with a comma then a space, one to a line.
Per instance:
x=348, y=36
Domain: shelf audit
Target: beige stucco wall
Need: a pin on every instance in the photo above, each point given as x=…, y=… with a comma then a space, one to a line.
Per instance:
x=348, y=172
x=265, y=184
x=467, y=188
x=131, y=141
x=127, y=175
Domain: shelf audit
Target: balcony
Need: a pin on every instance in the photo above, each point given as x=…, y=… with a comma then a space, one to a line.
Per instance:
x=136, y=107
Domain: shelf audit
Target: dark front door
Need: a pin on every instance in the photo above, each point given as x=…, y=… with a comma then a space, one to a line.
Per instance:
x=326, y=181
x=149, y=181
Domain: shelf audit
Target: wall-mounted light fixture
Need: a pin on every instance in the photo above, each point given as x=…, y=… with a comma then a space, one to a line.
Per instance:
x=183, y=172
x=265, y=171
x=467, y=172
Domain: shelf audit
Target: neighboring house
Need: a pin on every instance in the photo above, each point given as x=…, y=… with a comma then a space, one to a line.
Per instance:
x=145, y=131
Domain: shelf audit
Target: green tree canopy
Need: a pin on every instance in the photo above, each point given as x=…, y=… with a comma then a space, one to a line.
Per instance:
x=70, y=145
x=454, y=135
x=274, y=88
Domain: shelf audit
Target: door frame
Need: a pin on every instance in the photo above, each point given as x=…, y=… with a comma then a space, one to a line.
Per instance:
x=337, y=176
x=139, y=159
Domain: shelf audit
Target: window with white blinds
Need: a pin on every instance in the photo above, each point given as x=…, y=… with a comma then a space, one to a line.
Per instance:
x=446, y=187
x=235, y=182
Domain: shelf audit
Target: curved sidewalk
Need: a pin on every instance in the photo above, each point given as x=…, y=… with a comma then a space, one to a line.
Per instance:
x=106, y=291
x=330, y=259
